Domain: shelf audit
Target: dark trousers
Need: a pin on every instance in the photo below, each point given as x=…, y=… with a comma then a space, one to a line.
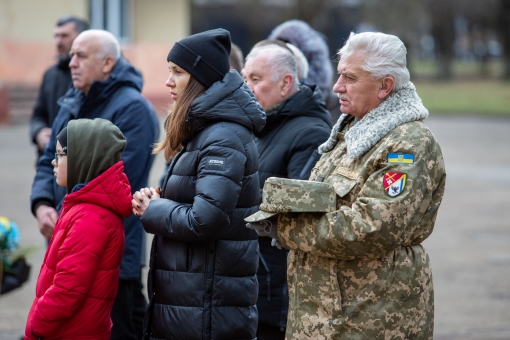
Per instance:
x=128, y=311
x=270, y=332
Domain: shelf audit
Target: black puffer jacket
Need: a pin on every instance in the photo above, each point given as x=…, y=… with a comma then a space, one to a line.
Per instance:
x=287, y=148
x=202, y=280
x=293, y=131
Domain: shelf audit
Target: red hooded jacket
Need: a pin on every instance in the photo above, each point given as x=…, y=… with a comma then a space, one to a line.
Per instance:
x=79, y=276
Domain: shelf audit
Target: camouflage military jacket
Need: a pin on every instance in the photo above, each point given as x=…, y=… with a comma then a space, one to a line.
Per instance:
x=360, y=272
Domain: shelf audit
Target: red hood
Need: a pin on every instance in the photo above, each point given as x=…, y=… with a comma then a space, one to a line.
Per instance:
x=110, y=190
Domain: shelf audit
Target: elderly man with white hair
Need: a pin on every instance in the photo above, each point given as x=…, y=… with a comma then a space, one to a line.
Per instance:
x=105, y=86
x=359, y=270
x=297, y=122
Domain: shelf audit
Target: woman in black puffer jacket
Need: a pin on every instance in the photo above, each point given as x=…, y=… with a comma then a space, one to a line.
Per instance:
x=202, y=280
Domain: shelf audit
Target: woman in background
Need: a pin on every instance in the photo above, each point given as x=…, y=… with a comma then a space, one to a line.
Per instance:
x=202, y=280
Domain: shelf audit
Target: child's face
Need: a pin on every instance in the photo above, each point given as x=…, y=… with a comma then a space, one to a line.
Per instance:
x=60, y=166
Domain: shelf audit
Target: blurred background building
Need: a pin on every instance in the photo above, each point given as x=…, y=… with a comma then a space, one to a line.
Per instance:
x=146, y=29
x=446, y=39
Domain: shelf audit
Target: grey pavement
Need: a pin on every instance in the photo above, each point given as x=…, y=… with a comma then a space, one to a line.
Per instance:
x=469, y=248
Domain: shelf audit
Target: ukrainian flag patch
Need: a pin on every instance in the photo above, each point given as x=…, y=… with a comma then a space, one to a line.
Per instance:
x=401, y=158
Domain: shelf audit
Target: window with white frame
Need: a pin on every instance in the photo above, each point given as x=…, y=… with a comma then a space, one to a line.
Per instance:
x=115, y=16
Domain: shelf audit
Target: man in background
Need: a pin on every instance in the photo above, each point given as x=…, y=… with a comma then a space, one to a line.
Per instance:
x=56, y=81
x=297, y=122
x=301, y=61
x=357, y=268
x=105, y=86
x=313, y=45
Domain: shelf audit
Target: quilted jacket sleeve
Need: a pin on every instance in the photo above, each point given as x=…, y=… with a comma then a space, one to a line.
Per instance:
x=217, y=190
x=44, y=180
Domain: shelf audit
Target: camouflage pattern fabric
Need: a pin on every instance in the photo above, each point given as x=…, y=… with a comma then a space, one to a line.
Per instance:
x=360, y=272
x=294, y=195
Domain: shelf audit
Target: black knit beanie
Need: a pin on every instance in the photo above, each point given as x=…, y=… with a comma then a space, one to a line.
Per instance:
x=206, y=55
x=62, y=137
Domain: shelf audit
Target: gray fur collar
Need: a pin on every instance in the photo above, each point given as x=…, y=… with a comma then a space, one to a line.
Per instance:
x=400, y=107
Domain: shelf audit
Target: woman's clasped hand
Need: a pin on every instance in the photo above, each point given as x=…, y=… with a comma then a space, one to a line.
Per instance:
x=142, y=198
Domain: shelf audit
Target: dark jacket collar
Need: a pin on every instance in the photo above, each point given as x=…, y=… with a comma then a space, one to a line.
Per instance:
x=63, y=63
x=123, y=74
x=227, y=100
x=306, y=102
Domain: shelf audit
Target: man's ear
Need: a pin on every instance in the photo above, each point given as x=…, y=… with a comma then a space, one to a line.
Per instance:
x=285, y=85
x=108, y=65
x=387, y=85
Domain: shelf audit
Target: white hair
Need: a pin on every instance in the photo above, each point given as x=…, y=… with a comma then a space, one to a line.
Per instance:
x=385, y=55
x=280, y=60
x=108, y=45
x=301, y=62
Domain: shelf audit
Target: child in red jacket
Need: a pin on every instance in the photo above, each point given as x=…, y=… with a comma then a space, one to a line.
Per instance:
x=79, y=276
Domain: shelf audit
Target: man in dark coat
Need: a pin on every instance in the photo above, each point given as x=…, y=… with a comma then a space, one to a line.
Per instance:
x=105, y=86
x=316, y=50
x=56, y=81
x=297, y=123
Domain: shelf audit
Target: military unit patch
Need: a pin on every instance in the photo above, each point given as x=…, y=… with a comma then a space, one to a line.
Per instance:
x=394, y=183
x=401, y=158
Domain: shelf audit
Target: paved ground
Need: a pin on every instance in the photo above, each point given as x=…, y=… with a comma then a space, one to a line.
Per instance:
x=469, y=248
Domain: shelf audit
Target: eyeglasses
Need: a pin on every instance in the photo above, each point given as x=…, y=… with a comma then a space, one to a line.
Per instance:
x=60, y=155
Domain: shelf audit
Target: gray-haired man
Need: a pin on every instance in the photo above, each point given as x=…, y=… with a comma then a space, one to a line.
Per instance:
x=297, y=123
x=360, y=271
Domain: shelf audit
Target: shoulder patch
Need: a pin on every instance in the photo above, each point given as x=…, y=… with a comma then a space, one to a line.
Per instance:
x=215, y=163
x=394, y=183
x=401, y=158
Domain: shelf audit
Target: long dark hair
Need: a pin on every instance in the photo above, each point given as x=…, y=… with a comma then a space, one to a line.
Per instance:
x=177, y=130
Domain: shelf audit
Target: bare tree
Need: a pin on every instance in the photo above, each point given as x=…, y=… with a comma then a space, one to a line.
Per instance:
x=253, y=20
x=482, y=19
x=441, y=14
x=402, y=18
